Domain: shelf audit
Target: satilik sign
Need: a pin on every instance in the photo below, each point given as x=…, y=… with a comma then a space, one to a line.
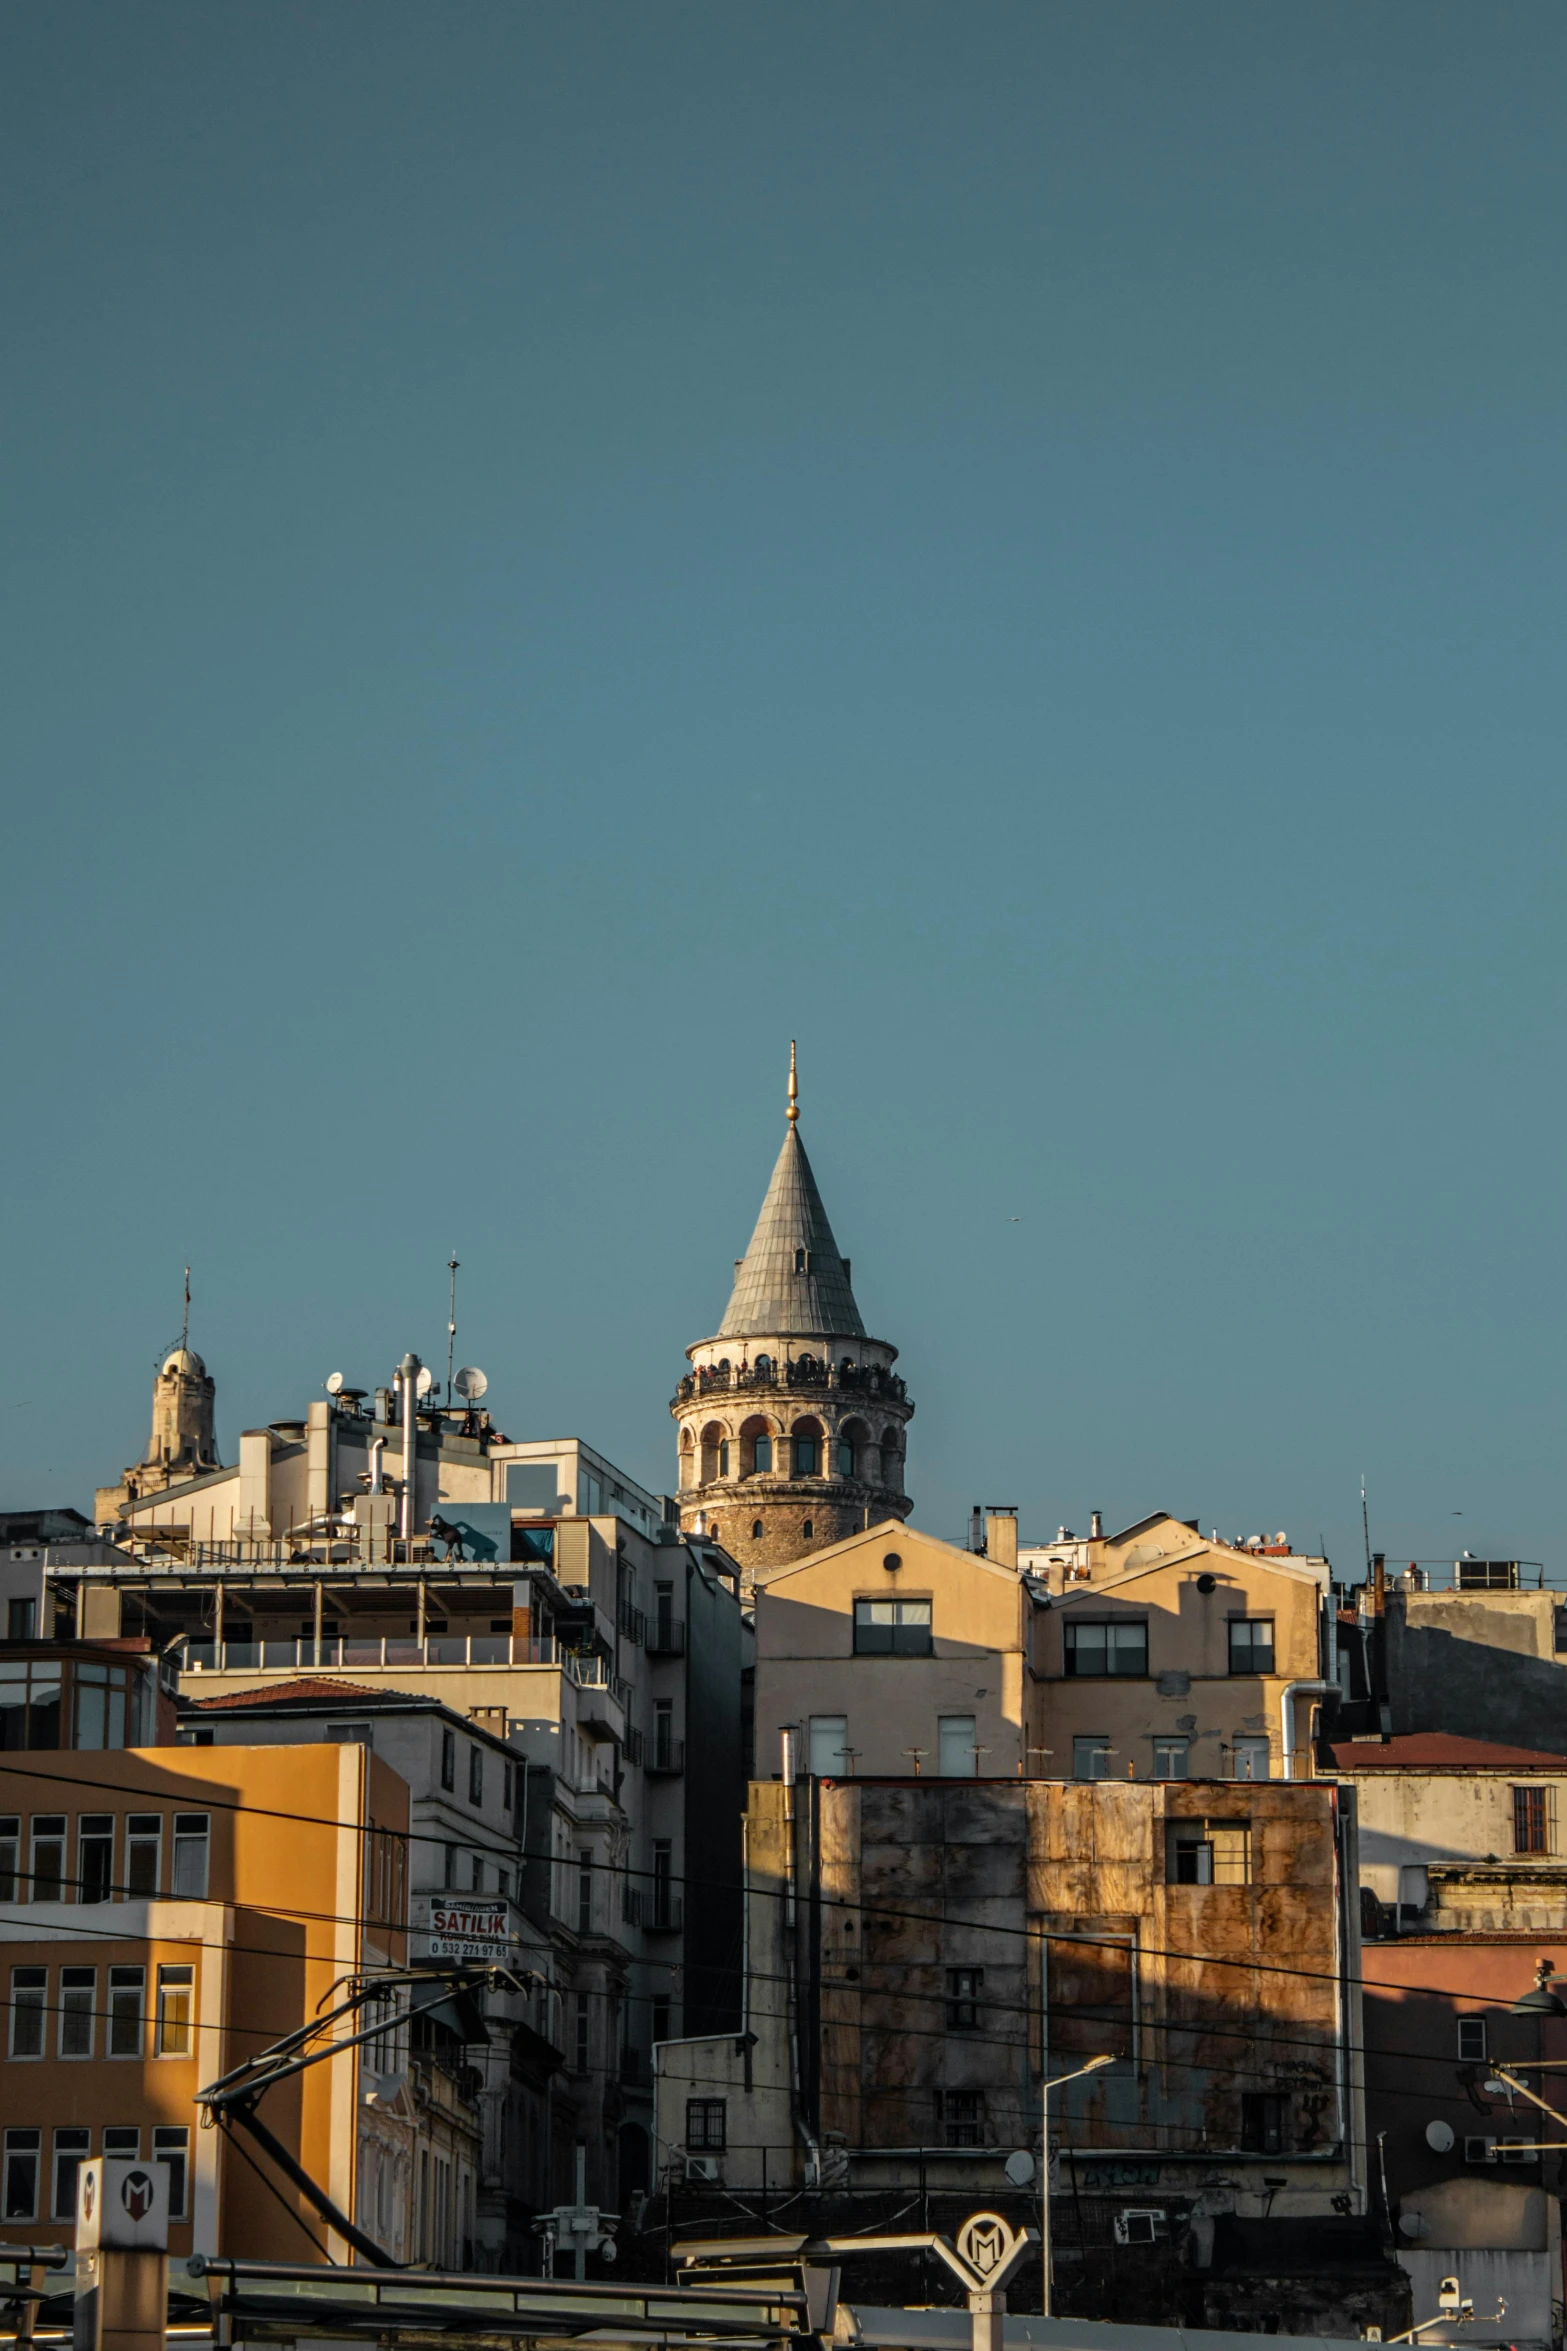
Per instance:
x=462, y=1926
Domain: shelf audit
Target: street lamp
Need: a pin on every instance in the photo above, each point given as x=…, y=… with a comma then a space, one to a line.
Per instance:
x=1061, y=2079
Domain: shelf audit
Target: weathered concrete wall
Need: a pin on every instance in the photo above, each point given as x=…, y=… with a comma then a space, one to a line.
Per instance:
x=1483, y=1665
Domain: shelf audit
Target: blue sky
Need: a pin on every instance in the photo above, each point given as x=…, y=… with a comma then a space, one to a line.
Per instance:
x=551, y=549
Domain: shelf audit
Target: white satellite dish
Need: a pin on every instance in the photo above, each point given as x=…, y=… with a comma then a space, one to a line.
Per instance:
x=426, y=1380
x=470, y=1384
x=1439, y=2137
x=1019, y=2168
x=334, y=1383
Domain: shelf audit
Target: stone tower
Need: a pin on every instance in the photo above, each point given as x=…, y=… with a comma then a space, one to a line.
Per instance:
x=791, y=1420
x=182, y=1444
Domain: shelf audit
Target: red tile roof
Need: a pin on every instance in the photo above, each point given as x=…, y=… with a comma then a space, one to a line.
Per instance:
x=1438, y=1751
x=306, y=1686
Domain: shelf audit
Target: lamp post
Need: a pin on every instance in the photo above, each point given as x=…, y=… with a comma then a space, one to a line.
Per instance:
x=1061, y=2079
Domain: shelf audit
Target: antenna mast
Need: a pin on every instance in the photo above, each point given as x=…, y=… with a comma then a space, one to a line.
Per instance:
x=794, y=1087
x=185, y=1325
x=1365, y=1523
x=451, y=1324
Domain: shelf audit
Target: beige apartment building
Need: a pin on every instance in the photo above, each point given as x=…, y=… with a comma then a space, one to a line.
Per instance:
x=1159, y=1654
x=894, y=1655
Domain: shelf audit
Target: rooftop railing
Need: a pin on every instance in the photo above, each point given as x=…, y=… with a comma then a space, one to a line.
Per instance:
x=367, y=1654
x=808, y=1371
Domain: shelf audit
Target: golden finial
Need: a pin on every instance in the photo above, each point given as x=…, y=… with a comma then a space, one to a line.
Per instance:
x=794, y=1087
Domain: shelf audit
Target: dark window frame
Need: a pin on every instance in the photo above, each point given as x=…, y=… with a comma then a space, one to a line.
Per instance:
x=1075, y=1651
x=907, y=1635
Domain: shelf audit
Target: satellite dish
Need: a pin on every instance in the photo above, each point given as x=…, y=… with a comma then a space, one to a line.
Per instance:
x=334, y=1383
x=1020, y=2168
x=470, y=1384
x=1439, y=2137
x=426, y=1380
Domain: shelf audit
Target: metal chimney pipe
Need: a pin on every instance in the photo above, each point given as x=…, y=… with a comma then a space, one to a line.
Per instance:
x=408, y=1376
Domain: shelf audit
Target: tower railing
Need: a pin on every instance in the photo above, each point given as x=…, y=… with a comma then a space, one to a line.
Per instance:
x=855, y=1379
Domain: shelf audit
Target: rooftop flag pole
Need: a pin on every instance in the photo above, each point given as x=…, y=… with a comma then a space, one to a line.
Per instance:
x=794, y=1087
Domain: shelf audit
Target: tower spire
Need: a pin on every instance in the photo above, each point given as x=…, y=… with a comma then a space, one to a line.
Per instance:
x=794, y=1087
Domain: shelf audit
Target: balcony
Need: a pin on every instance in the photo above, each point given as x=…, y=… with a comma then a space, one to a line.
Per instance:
x=664, y=1913
x=855, y=1379
x=294, y=1656
x=666, y=1759
x=666, y=1637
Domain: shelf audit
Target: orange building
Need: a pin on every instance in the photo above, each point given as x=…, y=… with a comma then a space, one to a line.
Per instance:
x=167, y=1912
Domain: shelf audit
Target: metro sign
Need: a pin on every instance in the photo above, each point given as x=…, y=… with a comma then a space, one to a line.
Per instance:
x=122, y=2206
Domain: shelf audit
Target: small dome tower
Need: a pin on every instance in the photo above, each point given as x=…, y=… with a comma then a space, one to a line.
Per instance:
x=791, y=1420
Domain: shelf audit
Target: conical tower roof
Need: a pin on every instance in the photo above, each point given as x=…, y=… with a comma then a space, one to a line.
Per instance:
x=792, y=1278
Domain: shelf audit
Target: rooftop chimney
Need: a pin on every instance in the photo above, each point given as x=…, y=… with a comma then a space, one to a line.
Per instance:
x=1001, y=1534
x=1096, y=1528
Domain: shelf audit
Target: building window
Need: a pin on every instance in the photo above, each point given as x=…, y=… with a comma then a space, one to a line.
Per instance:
x=354, y=1734
x=476, y=1775
x=845, y=1458
x=663, y=1735
x=127, y=1992
x=964, y=1985
x=21, y=1620
x=582, y=2032
x=95, y=1856
x=957, y=1757
x=78, y=1999
x=802, y=1260
x=1251, y=1644
x=19, y=2190
x=723, y=1457
x=807, y=1528
x=807, y=1457
x=171, y=2145
x=1265, y=2120
x=1532, y=1823
x=584, y=1892
x=10, y=1855
x=1091, y=1754
x=1471, y=2040
x=757, y=1530
x=448, y=1759
x=707, y=2125
x=829, y=1742
x=892, y=1628
x=1252, y=1757
x=143, y=1836
x=1208, y=1853
x=176, y=1992
x=29, y=1991
x=48, y=1856
x=122, y=2139
x=70, y=2148
x=191, y=1841
x=1094, y=1649
x=476, y=1870
x=1171, y=1758
x=763, y=1462
x=962, y=2117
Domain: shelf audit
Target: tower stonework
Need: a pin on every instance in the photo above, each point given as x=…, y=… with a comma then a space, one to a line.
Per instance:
x=791, y=1421
x=182, y=1443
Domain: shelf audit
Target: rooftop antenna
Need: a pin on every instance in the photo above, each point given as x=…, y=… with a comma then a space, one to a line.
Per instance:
x=1365, y=1523
x=794, y=1087
x=451, y=1324
x=185, y=1325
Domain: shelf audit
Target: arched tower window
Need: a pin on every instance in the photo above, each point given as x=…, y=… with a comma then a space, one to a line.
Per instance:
x=849, y=1451
x=714, y=1437
x=756, y=1447
x=807, y=1440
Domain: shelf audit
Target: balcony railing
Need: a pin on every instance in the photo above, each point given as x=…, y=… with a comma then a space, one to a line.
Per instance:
x=666, y=1637
x=664, y=1913
x=857, y=1379
x=268, y=1656
x=667, y=1758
